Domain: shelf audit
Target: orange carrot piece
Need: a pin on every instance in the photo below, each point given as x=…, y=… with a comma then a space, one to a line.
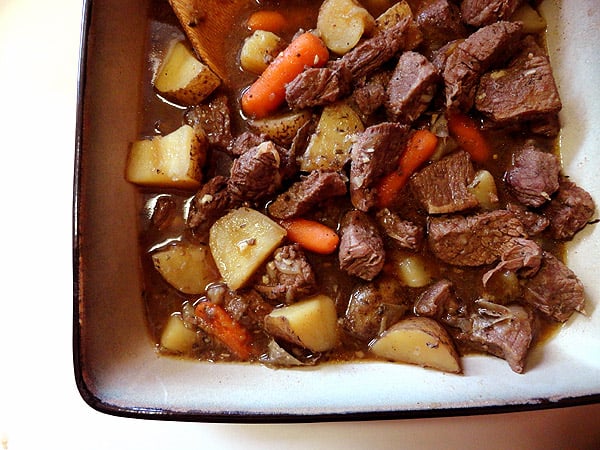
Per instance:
x=267, y=93
x=469, y=136
x=216, y=321
x=267, y=20
x=311, y=235
x=419, y=148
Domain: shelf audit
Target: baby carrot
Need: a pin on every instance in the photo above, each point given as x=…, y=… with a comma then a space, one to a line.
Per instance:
x=419, y=148
x=311, y=235
x=217, y=322
x=267, y=20
x=267, y=93
x=469, y=136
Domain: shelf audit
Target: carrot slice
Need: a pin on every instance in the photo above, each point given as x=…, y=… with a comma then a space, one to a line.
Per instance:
x=267, y=20
x=469, y=136
x=217, y=322
x=267, y=93
x=311, y=235
x=419, y=148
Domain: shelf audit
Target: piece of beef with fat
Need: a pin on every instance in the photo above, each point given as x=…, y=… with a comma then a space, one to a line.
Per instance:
x=569, y=211
x=440, y=21
x=208, y=204
x=361, y=252
x=318, y=86
x=404, y=233
x=473, y=240
x=214, y=118
x=484, y=12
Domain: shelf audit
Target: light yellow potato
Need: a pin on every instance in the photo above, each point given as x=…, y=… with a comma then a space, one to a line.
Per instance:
x=483, y=187
x=394, y=14
x=421, y=341
x=329, y=147
x=341, y=24
x=183, y=79
x=188, y=268
x=176, y=337
x=171, y=161
x=241, y=241
x=259, y=49
x=530, y=18
x=281, y=129
x=410, y=269
x=310, y=323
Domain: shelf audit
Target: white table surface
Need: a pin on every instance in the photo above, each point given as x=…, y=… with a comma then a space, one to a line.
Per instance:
x=40, y=407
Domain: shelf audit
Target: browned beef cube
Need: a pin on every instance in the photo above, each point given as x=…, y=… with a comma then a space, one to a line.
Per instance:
x=437, y=301
x=533, y=177
x=405, y=234
x=361, y=251
x=411, y=88
x=473, y=240
x=318, y=87
x=303, y=195
x=569, y=211
x=374, y=153
x=525, y=90
x=440, y=21
x=522, y=255
x=214, y=118
x=210, y=202
x=533, y=222
x=288, y=276
x=369, y=94
x=555, y=290
x=485, y=12
x=486, y=48
x=442, y=186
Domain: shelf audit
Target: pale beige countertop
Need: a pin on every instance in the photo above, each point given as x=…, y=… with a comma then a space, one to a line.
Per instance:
x=40, y=407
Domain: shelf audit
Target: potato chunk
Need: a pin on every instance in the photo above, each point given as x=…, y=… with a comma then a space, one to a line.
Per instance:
x=281, y=128
x=310, y=323
x=176, y=337
x=259, y=50
x=183, y=79
x=171, y=161
x=341, y=24
x=329, y=147
x=241, y=241
x=421, y=341
x=188, y=268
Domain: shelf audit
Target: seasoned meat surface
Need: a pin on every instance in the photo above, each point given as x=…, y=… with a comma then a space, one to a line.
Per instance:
x=318, y=87
x=485, y=12
x=214, y=118
x=569, y=211
x=361, y=251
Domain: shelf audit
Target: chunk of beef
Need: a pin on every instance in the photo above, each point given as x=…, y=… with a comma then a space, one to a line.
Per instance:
x=288, y=276
x=533, y=222
x=411, y=88
x=305, y=194
x=404, y=233
x=163, y=212
x=368, y=56
x=486, y=48
x=485, y=12
x=503, y=331
x=373, y=307
x=361, y=251
x=245, y=142
x=255, y=174
x=533, y=176
x=440, y=21
x=214, y=118
x=442, y=186
x=245, y=306
x=523, y=91
x=373, y=153
x=569, y=211
x=438, y=301
x=208, y=204
x=248, y=141
x=318, y=86
x=370, y=94
x=522, y=255
x=555, y=290
x=473, y=240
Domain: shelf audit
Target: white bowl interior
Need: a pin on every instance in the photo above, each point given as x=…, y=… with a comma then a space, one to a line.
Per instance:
x=119, y=368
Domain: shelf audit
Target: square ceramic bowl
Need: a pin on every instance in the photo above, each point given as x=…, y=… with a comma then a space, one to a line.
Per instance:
x=117, y=368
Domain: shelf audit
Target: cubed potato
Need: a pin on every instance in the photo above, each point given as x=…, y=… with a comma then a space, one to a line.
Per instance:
x=183, y=79
x=176, y=337
x=188, y=268
x=282, y=128
x=394, y=14
x=241, y=241
x=483, y=187
x=530, y=18
x=342, y=23
x=410, y=268
x=309, y=323
x=171, y=161
x=259, y=49
x=329, y=147
x=421, y=341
